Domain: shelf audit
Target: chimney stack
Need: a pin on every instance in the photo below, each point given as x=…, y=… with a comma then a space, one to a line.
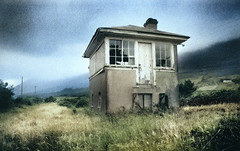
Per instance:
x=151, y=23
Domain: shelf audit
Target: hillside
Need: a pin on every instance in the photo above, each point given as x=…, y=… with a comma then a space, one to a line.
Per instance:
x=222, y=58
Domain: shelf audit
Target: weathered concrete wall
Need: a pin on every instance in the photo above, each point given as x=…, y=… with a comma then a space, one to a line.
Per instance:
x=97, y=60
x=98, y=87
x=120, y=84
x=168, y=84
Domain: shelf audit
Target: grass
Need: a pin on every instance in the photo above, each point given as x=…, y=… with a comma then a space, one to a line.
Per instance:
x=205, y=81
x=52, y=127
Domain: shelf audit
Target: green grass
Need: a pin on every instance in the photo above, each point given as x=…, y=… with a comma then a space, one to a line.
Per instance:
x=52, y=127
x=208, y=82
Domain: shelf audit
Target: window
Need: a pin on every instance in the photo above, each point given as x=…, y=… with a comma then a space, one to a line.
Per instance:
x=122, y=52
x=164, y=56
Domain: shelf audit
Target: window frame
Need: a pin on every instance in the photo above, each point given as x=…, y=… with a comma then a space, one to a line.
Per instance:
x=123, y=50
x=170, y=53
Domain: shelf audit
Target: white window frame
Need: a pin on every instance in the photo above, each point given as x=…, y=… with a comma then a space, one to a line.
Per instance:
x=122, y=63
x=172, y=60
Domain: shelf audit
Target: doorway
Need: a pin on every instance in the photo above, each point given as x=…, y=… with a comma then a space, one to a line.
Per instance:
x=145, y=63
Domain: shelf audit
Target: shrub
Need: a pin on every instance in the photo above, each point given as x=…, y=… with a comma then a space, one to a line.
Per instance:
x=27, y=100
x=214, y=97
x=6, y=95
x=74, y=102
x=50, y=99
x=187, y=88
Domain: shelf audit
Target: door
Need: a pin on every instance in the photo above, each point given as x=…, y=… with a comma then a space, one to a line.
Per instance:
x=145, y=63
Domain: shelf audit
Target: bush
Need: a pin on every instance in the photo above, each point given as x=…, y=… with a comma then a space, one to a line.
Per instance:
x=27, y=100
x=50, y=99
x=214, y=97
x=6, y=94
x=187, y=88
x=74, y=102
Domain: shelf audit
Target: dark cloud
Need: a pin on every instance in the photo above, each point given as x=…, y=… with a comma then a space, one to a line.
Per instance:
x=15, y=23
x=41, y=27
x=220, y=9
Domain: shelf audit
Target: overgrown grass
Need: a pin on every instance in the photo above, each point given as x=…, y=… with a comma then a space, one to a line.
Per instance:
x=52, y=127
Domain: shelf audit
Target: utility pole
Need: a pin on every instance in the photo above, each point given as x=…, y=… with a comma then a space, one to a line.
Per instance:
x=22, y=88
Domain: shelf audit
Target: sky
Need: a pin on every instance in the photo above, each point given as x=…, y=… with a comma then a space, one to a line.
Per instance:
x=45, y=39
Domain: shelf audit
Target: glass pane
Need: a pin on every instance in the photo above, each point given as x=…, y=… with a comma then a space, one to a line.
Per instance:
x=119, y=59
x=131, y=52
x=125, y=59
x=125, y=44
x=131, y=44
x=112, y=52
x=112, y=60
x=162, y=53
x=168, y=55
x=131, y=61
x=163, y=63
x=168, y=52
x=157, y=46
x=112, y=43
x=168, y=63
x=118, y=44
x=158, y=62
x=157, y=53
x=125, y=52
x=119, y=52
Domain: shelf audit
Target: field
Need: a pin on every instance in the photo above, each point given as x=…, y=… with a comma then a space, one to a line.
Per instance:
x=48, y=126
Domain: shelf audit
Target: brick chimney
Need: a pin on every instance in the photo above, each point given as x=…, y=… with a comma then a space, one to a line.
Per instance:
x=151, y=23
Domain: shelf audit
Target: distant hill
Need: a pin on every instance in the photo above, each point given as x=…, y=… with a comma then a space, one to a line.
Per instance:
x=46, y=87
x=221, y=58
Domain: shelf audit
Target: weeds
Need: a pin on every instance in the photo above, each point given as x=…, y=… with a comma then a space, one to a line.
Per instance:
x=52, y=127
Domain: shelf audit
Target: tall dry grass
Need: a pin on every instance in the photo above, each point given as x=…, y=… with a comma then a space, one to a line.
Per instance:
x=53, y=127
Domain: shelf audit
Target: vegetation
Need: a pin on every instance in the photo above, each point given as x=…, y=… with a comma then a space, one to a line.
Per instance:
x=27, y=100
x=187, y=88
x=6, y=96
x=212, y=97
x=73, y=102
x=52, y=127
x=50, y=99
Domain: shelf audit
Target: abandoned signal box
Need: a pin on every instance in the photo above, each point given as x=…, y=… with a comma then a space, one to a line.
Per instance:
x=133, y=67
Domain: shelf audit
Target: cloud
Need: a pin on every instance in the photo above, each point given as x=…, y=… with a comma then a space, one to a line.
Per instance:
x=39, y=27
x=66, y=62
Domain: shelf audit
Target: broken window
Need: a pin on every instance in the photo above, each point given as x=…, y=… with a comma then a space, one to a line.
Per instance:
x=122, y=52
x=144, y=101
x=163, y=100
x=163, y=54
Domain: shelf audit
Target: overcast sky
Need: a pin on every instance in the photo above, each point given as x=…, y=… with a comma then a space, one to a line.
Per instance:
x=45, y=39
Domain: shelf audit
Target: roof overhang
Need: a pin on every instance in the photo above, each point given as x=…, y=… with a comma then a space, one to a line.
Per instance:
x=101, y=33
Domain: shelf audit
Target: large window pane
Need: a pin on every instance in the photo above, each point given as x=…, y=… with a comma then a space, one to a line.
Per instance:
x=118, y=44
x=168, y=63
x=157, y=62
x=131, y=61
x=131, y=44
x=112, y=43
x=163, y=63
x=119, y=52
x=112, y=52
x=131, y=52
x=125, y=44
x=112, y=60
x=163, y=53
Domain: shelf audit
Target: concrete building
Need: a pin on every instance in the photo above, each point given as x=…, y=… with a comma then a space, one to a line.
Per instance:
x=133, y=67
